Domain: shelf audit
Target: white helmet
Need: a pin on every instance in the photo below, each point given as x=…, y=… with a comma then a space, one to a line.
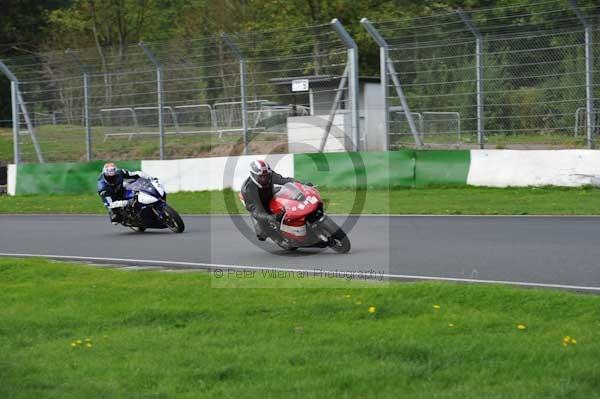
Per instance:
x=110, y=171
x=260, y=173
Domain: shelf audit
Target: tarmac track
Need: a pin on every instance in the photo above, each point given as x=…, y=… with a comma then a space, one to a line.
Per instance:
x=560, y=252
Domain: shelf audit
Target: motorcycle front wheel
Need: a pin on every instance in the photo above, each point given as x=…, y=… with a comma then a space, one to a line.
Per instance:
x=339, y=241
x=173, y=220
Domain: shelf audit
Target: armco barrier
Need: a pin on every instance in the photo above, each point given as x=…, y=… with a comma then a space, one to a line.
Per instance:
x=55, y=178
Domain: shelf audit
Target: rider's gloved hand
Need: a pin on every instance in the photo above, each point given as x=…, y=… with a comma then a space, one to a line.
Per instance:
x=118, y=204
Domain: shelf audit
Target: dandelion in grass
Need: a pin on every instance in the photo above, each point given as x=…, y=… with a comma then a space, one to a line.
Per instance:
x=73, y=344
x=372, y=309
x=521, y=326
x=88, y=345
x=436, y=307
x=88, y=340
x=79, y=342
x=451, y=325
x=568, y=340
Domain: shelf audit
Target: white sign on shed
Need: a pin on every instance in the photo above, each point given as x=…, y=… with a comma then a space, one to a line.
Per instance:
x=299, y=85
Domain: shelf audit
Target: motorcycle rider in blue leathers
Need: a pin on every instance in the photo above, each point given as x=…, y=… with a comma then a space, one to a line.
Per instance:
x=112, y=192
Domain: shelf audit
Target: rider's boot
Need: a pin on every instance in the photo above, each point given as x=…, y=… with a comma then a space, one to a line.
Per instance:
x=262, y=231
x=115, y=217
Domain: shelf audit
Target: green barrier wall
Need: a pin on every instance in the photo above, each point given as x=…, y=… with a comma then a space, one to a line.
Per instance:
x=357, y=169
x=408, y=168
x=63, y=177
x=448, y=168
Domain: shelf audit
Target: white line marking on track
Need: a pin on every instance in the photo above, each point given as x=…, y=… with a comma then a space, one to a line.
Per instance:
x=358, y=274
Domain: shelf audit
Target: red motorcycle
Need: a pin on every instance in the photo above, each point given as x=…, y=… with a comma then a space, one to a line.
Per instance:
x=303, y=221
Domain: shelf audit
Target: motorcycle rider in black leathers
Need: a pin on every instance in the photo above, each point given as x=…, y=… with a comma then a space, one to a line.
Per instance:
x=112, y=192
x=257, y=191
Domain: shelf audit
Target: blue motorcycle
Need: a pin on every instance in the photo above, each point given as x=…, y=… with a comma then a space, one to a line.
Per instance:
x=148, y=207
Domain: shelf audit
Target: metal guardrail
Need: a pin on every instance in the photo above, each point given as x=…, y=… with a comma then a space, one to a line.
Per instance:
x=223, y=117
x=422, y=120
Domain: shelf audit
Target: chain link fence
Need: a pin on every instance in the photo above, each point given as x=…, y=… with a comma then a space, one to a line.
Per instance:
x=223, y=95
x=507, y=77
x=519, y=76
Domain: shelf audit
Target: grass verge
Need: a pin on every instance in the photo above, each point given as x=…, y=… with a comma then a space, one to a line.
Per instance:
x=436, y=201
x=163, y=335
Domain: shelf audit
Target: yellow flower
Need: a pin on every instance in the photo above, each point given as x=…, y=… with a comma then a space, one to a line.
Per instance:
x=79, y=342
x=88, y=345
x=451, y=325
x=574, y=342
x=73, y=344
x=436, y=306
x=372, y=309
x=88, y=340
x=567, y=339
x=521, y=326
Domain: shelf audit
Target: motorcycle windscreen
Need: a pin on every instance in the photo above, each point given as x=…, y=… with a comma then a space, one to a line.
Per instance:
x=142, y=185
x=290, y=191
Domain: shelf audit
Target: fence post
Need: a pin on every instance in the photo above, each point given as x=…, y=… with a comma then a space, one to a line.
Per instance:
x=334, y=108
x=14, y=89
x=479, y=71
x=387, y=66
x=17, y=101
x=86, y=102
x=244, y=104
x=589, y=94
x=353, y=84
x=159, y=89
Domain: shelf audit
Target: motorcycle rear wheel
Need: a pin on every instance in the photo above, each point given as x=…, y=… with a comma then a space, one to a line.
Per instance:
x=173, y=220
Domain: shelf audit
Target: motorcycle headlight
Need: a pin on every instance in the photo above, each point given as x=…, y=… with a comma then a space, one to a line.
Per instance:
x=144, y=198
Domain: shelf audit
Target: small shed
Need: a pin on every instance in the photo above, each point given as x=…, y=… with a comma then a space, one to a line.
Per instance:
x=317, y=93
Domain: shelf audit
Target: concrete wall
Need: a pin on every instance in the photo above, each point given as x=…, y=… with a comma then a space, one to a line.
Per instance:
x=503, y=168
x=212, y=173
x=408, y=168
